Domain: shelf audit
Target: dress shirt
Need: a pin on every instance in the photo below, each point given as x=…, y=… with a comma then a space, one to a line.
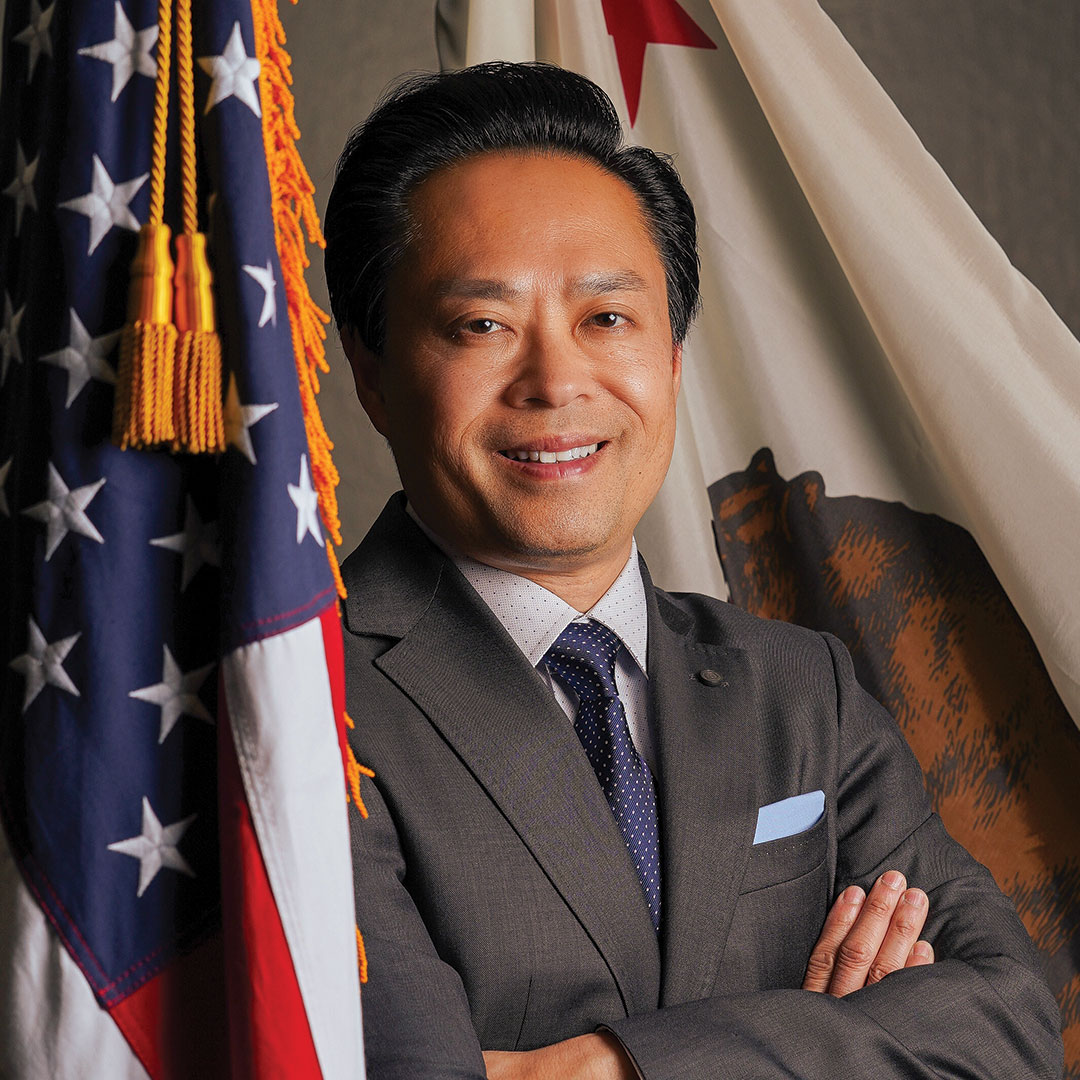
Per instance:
x=534, y=617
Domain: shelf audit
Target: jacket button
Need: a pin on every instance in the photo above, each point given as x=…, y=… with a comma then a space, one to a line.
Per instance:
x=711, y=678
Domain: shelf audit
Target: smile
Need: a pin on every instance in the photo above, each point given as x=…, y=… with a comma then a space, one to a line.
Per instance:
x=549, y=457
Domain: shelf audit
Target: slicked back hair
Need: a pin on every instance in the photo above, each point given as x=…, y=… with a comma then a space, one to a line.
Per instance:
x=429, y=122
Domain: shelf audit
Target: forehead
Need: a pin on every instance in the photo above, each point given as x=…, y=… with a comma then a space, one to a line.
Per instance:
x=512, y=214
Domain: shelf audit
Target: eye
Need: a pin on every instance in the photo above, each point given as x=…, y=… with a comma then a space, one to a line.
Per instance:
x=608, y=320
x=480, y=327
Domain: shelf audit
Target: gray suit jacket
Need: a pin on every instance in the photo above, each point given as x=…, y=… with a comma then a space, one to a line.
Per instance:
x=499, y=906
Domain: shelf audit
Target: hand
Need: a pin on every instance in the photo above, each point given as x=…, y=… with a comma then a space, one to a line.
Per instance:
x=866, y=938
x=588, y=1057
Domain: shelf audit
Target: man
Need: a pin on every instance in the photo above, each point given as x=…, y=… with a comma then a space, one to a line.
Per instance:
x=611, y=832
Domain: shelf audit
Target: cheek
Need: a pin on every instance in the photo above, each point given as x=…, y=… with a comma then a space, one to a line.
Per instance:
x=649, y=391
x=438, y=420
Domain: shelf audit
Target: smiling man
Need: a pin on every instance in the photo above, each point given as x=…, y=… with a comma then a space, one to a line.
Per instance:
x=611, y=832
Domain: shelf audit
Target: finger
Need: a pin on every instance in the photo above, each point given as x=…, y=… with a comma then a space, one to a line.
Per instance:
x=904, y=929
x=921, y=953
x=838, y=922
x=860, y=947
x=499, y=1064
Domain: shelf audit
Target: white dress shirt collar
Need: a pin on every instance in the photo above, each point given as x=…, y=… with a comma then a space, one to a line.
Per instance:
x=534, y=616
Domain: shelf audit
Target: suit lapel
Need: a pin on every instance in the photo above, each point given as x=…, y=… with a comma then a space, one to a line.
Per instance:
x=706, y=737
x=458, y=664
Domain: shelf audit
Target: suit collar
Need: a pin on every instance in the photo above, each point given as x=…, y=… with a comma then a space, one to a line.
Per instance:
x=392, y=576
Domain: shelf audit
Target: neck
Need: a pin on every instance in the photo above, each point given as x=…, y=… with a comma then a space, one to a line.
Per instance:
x=580, y=580
x=581, y=586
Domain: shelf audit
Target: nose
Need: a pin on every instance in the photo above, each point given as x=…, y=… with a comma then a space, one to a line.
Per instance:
x=552, y=372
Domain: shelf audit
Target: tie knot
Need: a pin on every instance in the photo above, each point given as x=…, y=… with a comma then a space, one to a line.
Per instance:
x=583, y=655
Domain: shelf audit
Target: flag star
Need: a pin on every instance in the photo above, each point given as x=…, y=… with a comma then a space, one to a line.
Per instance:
x=64, y=511
x=265, y=277
x=84, y=357
x=21, y=189
x=177, y=694
x=106, y=204
x=238, y=418
x=306, y=500
x=634, y=24
x=9, y=337
x=36, y=35
x=4, y=470
x=234, y=74
x=155, y=847
x=198, y=544
x=128, y=52
x=43, y=664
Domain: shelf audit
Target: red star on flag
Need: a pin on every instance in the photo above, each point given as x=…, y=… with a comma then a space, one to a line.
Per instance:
x=633, y=24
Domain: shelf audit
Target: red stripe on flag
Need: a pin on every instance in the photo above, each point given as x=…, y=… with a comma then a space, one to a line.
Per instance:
x=268, y=1026
x=175, y=1023
x=330, y=618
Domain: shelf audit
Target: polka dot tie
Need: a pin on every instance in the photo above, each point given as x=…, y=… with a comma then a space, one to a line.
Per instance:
x=583, y=656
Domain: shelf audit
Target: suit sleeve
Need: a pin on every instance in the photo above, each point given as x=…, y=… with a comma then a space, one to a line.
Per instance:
x=981, y=1010
x=416, y=1016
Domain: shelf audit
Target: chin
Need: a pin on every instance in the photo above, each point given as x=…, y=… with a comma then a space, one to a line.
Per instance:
x=556, y=536
x=549, y=550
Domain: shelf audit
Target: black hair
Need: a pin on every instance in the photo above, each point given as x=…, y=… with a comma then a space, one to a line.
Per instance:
x=430, y=121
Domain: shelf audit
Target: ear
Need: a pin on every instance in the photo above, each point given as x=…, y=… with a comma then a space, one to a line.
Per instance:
x=367, y=375
x=676, y=366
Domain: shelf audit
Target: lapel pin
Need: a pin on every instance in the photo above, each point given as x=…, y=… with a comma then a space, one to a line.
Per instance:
x=712, y=678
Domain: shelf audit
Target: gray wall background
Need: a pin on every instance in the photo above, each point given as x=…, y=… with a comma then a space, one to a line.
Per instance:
x=991, y=86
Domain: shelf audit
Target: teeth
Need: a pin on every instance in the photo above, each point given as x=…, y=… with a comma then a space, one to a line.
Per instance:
x=549, y=457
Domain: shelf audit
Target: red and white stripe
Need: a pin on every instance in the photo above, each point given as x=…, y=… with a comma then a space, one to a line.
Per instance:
x=294, y=995
x=290, y=991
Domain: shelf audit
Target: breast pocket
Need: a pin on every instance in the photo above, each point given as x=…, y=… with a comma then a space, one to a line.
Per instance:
x=787, y=858
x=779, y=913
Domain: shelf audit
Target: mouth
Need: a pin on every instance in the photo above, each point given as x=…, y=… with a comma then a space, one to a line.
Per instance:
x=552, y=457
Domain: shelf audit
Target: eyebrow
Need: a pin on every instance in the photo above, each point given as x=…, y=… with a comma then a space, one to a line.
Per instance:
x=476, y=289
x=602, y=283
x=598, y=284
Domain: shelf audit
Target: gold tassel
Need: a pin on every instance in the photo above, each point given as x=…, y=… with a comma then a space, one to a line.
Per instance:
x=143, y=406
x=200, y=420
x=143, y=409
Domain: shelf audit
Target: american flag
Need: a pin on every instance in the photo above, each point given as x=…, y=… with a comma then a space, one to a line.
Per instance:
x=175, y=889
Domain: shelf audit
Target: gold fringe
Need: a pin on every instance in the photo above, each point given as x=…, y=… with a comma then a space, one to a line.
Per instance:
x=294, y=215
x=361, y=956
x=353, y=771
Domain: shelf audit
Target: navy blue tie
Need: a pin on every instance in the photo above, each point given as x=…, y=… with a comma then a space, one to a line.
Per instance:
x=583, y=656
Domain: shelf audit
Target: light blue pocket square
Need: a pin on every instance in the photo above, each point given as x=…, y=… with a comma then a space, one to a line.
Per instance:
x=789, y=816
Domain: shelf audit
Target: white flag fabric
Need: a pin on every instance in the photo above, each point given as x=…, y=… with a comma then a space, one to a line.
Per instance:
x=858, y=318
x=880, y=416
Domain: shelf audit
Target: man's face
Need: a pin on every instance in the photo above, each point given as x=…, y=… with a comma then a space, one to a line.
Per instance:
x=529, y=378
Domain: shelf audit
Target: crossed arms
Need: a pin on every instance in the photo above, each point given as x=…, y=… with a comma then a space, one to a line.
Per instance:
x=865, y=938
x=440, y=974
